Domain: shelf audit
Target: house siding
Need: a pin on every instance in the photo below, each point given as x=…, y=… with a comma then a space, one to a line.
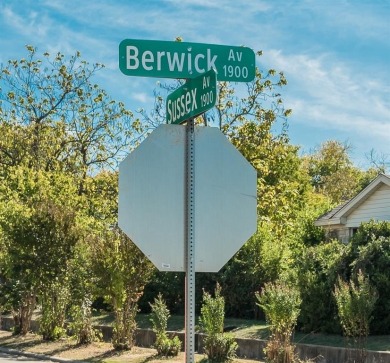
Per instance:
x=338, y=231
x=344, y=235
x=376, y=207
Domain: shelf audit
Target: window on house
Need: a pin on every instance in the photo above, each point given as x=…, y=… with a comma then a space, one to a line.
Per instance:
x=332, y=234
x=352, y=231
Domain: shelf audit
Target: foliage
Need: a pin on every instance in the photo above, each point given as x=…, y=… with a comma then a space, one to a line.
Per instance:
x=305, y=232
x=355, y=304
x=275, y=250
x=332, y=172
x=369, y=251
x=171, y=283
x=122, y=272
x=315, y=271
x=282, y=191
x=218, y=346
x=259, y=100
x=58, y=131
x=101, y=196
x=54, y=299
x=260, y=260
x=213, y=312
x=54, y=118
x=280, y=303
x=165, y=346
x=82, y=289
x=159, y=315
x=81, y=323
x=39, y=241
x=367, y=232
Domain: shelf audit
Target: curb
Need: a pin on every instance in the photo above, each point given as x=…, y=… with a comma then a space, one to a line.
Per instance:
x=252, y=349
x=38, y=356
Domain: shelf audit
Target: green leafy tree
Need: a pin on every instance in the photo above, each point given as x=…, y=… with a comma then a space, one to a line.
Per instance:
x=332, y=171
x=101, y=197
x=60, y=131
x=252, y=125
x=259, y=261
x=39, y=241
x=283, y=192
x=122, y=272
x=53, y=117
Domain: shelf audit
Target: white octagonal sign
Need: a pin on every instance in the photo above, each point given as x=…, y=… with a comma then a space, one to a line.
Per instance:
x=152, y=198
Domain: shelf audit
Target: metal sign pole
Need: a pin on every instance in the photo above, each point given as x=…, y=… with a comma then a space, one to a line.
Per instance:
x=190, y=245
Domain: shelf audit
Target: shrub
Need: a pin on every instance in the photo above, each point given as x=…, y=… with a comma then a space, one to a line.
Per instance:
x=370, y=231
x=280, y=303
x=373, y=259
x=164, y=345
x=212, y=312
x=317, y=268
x=355, y=303
x=219, y=346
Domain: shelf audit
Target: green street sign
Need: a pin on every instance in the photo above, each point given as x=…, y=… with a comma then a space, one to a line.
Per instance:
x=196, y=96
x=163, y=59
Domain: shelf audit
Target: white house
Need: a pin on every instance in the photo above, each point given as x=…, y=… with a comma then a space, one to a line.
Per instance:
x=372, y=203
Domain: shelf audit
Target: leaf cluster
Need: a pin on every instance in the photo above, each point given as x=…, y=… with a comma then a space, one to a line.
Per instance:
x=165, y=346
x=281, y=304
x=355, y=303
x=218, y=346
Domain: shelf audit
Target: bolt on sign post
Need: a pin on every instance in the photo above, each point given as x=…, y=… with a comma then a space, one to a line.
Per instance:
x=193, y=98
x=180, y=176
x=163, y=59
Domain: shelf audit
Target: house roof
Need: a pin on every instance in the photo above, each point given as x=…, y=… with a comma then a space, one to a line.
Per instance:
x=338, y=215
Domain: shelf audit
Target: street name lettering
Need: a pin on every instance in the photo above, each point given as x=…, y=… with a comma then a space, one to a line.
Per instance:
x=176, y=62
x=150, y=58
x=193, y=98
x=181, y=106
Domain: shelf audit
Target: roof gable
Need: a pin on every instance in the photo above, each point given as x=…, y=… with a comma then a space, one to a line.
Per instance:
x=363, y=195
x=338, y=215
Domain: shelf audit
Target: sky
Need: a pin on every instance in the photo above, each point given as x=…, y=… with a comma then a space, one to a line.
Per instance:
x=335, y=54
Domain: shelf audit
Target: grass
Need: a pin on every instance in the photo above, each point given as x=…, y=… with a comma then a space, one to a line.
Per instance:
x=255, y=329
